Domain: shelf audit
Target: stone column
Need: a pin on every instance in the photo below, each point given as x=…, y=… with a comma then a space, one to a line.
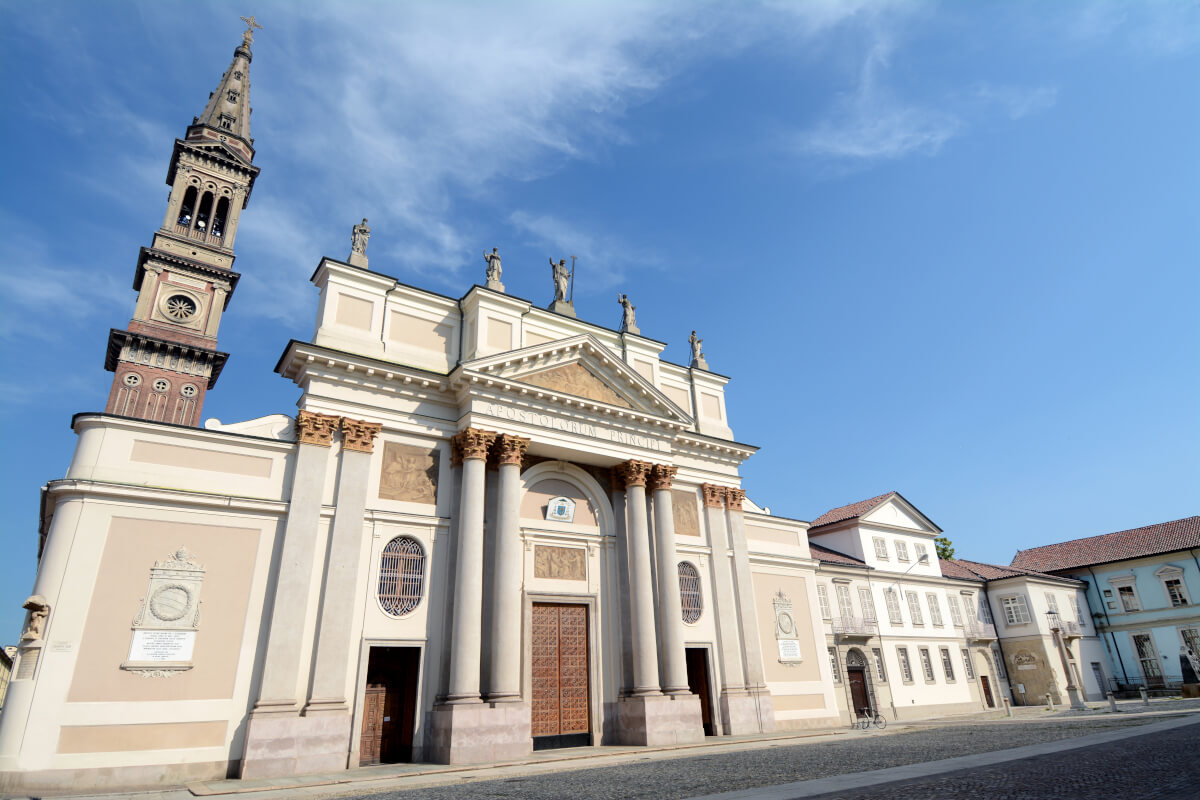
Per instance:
x=467, y=632
x=334, y=645
x=616, y=494
x=274, y=734
x=641, y=591
x=670, y=612
x=744, y=590
x=505, y=669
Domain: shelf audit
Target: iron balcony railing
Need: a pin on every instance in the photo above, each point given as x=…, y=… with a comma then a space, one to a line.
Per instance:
x=979, y=630
x=855, y=626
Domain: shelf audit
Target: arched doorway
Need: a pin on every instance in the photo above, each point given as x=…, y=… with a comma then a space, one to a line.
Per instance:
x=858, y=679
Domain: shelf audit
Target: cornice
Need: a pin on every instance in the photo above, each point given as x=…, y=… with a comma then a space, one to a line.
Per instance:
x=139, y=494
x=209, y=271
x=85, y=419
x=216, y=358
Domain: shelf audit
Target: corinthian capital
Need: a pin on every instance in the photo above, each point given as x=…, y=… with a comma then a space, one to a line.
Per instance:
x=359, y=435
x=633, y=473
x=510, y=449
x=314, y=428
x=662, y=476
x=473, y=443
x=714, y=495
x=734, y=498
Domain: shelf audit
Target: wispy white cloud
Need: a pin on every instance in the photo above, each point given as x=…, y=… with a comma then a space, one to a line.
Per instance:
x=1015, y=101
x=1150, y=27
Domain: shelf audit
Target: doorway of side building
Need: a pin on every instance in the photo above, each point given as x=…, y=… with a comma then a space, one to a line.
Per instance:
x=561, y=705
x=697, y=676
x=389, y=705
x=986, y=685
x=856, y=678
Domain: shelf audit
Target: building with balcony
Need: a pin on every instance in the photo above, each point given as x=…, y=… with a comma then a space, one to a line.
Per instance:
x=1142, y=595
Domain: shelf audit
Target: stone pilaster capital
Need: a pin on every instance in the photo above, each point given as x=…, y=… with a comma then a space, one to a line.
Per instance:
x=714, y=495
x=359, y=435
x=510, y=449
x=314, y=428
x=221, y=286
x=661, y=477
x=473, y=444
x=633, y=473
x=734, y=498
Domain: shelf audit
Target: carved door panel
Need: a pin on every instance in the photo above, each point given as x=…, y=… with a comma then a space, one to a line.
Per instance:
x=561, y=707
x=858, y=691
x=372, y=731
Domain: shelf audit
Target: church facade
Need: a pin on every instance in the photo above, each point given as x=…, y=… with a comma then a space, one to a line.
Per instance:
x=490, y=528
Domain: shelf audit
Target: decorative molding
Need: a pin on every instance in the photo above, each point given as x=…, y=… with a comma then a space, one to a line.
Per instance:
x=661, y=477
x=314, y=428
x=158, y=672
x=734, y=498
x=714, y=495
x=473, y=444
x=633, y=472
x=359, y=435
x=510, y=449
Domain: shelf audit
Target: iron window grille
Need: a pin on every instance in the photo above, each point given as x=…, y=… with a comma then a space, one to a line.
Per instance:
x=401, y=576
x=689, y=592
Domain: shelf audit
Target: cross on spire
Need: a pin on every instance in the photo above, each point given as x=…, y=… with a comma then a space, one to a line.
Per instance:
x=251, y=24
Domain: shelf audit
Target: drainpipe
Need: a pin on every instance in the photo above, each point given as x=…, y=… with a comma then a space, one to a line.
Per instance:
x=1111, y=636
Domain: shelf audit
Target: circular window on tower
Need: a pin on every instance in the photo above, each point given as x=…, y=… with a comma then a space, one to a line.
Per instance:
x=188, y=390
x=132, y=379
x=180, y=307
x=161, y=385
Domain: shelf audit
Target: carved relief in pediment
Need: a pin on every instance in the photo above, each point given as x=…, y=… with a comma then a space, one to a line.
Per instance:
x=578, y=380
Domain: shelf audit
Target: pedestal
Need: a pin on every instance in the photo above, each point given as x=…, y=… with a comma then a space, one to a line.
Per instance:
x=563, y=307
x=747, y=712
x=654, y=720
x=280, y=743
x=476, y=733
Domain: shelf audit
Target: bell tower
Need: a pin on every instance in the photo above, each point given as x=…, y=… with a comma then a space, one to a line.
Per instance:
x=166, y=359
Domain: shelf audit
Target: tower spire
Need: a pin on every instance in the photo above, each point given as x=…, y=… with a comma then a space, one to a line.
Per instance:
x=166, y=358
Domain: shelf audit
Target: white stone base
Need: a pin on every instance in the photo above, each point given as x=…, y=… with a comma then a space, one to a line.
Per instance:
x=474, y=733
x=655, y=720
x=285, y=743
x=747, y=712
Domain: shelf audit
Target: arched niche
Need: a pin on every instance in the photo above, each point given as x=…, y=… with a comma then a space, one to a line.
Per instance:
x=552, y=478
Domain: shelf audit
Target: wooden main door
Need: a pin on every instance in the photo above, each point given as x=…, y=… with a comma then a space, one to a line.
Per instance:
x=561, y=712
x=987, y=690
x=697, y=674
x=858, y=691
x=389, y=705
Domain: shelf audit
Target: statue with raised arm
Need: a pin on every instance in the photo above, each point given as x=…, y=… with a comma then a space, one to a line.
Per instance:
x=698, y=359
x=628, y=319
x=359, y=237
x=494, y=270
x=562, y=280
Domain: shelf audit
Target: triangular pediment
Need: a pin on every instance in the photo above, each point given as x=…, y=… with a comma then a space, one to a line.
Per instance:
x=897, y=512
x=578, y=367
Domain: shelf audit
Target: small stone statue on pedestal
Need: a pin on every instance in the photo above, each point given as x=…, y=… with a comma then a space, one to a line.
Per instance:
x=628, y=319
x=562, y=286
x=358, y=244
x=493, y=270
x=698, y=360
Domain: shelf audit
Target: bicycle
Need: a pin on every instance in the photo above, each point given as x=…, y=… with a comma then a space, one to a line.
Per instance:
x=865, y=720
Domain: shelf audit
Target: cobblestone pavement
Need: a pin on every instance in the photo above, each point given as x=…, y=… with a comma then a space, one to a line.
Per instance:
x=665, y=779
x=1162, y=765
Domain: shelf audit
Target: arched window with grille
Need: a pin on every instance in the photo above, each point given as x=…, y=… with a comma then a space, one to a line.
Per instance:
x=689, y=592
x=401, y=575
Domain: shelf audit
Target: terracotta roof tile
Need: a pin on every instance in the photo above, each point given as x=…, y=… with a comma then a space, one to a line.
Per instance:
x=851, y=511
x=955, y=569
x=1165, y=537
x=993, y=572
x=832, y=556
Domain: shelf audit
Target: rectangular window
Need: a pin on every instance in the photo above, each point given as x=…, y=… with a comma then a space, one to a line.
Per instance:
x=1147, y=657
x=880, y=548
x=905, y=666
x=867, y=602
x=1108, y=600
x=927, y=665
x=1191, y=639
x=833, y=665
x=893, y=606
x=1079, y=613
x=947, y=664
x=823, y=600
x=969, y=606
x=1016, y=612
x=845, y=607
x=998, y=663
x=901, y=551
x=985, y=613
x=1175, y=592
x=1052, y=603
x=955, y=611
x=966, y=654
x=935, y=608
x=914, y=608
x=922, y=551
x=879, y=670
x=1129, y=598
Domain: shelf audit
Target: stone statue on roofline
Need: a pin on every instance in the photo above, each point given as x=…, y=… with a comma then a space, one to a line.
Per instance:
x=628, y=318
x=494, y=271
x=359, y=236
x=562, y=288
x=698, y=360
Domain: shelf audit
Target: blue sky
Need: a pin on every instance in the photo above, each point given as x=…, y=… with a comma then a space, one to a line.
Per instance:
x=945, y=248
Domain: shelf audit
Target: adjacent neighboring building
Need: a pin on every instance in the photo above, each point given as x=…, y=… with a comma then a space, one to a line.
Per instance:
x=6, y=663
x=1143, y=592
x=902, y=627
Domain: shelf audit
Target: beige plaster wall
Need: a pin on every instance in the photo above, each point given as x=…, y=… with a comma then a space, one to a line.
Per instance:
x=354, y=312
x=153, y=736
x=774, y=535
x=176, y=455
x=535, y=500
x=796, y=588
x=132, y=547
